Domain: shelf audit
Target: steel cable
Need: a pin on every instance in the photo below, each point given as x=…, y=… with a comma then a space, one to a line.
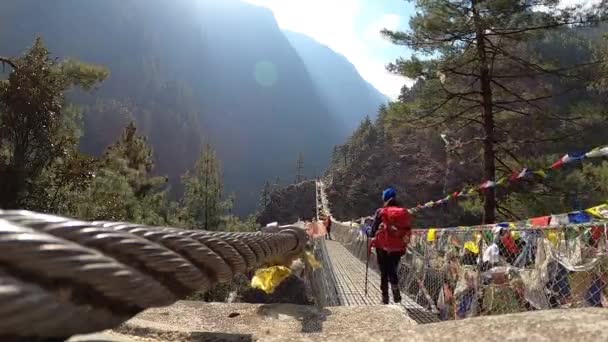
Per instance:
x=60, y=277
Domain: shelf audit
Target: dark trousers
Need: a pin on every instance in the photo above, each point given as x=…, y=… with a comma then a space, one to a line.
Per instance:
x=388, y=262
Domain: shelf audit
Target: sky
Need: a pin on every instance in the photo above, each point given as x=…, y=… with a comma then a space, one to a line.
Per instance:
x=351, y=28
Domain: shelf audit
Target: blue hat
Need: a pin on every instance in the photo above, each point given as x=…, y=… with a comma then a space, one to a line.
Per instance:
x=388, y=194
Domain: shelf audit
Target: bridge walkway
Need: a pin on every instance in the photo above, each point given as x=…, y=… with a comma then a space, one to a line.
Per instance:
x=349, y=274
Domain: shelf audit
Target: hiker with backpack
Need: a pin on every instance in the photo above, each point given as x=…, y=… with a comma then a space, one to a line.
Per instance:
x=327, y=224
x=390, y=233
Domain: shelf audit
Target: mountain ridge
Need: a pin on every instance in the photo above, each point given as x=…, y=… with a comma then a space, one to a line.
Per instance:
x=350, y=102
x=189, y=73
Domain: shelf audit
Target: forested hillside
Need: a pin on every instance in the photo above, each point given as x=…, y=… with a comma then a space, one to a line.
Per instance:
x=42, y=169
x=549, y=99
x=201, y=91
x=190, y=72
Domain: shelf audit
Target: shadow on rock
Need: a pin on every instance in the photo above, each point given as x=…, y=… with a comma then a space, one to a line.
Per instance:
x=292, y=290
x=219, y=337
x=422, y=316
x=311, y=317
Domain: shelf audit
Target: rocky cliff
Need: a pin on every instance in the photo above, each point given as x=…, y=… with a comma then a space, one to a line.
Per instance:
x=289, y=204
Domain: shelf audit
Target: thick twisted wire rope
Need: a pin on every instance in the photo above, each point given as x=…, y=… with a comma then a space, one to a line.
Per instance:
x=60, y=277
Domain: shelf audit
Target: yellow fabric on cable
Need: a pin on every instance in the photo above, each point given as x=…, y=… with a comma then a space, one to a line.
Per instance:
x=269, y=278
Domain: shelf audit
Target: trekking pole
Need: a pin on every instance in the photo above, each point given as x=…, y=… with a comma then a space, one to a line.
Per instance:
x=367, y=260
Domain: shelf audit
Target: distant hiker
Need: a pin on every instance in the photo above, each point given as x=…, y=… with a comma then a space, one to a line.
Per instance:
x=391, y=231
x=327, y=224
x=366, y=227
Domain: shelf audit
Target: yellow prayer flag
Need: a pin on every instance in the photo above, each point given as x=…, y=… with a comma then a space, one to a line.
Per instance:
x=471, y=247
x=553, y=237
x=600, y=211
x=431, y=235
x=268, y=279
x=310, y=259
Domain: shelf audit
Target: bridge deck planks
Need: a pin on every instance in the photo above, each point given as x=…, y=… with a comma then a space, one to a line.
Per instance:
x=349, y=273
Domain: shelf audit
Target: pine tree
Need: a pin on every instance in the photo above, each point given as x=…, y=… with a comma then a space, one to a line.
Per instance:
x=132, y=154
x=203, y=193
x=300, y=168
x=124, y=188
x=52, y=190
x=276, y=185
x=265, y=195
x=33, y=120
x=482, y=76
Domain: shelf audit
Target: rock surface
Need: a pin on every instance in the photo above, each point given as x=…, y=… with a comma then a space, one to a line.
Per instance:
x=103, y=337
x=195, y=321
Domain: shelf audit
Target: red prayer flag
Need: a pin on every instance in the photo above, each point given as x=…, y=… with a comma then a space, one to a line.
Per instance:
x=540, y=221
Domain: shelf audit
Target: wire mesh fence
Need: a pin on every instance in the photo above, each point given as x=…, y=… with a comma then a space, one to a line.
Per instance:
x=458, y=273
x=322, y=279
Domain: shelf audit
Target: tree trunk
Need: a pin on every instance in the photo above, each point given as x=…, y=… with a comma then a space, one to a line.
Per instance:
x=489, y=165
x=15, y=173
x=206, y=191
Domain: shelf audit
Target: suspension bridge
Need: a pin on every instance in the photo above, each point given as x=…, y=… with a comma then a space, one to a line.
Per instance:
x=61, y=277
x=349, y=272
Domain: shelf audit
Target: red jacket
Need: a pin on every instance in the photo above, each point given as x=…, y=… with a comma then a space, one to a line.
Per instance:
x=327, y=224
x=391, y=239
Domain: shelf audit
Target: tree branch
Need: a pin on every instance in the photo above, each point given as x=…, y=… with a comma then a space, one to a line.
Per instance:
x=519, y=97
x=459, y=145
x=503, y=164
x=433, y=110
x=529, y=102
x=5, y=60
x=510, y=31
x=507, y=212
x=552, y=139
x=449, y=118
x=525, y=100
x=506, y=109
x=463, y=97
x=551, y=71
x=510, y=154
x=460, y=73
x=528, y=64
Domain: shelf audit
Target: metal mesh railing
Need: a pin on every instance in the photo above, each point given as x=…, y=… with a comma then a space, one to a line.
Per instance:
x=465, y=272
x=323, y=278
